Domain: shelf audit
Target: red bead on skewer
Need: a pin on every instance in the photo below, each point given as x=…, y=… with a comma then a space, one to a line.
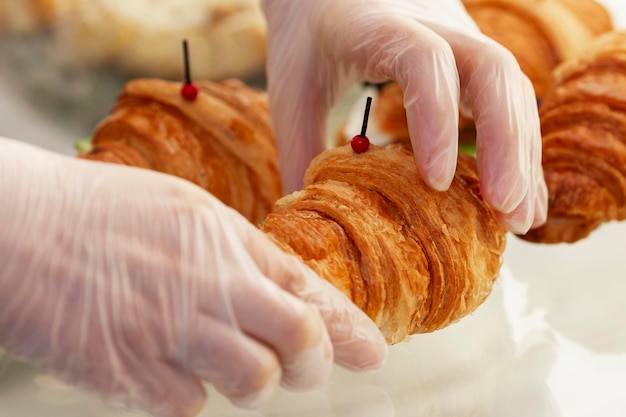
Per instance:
x=360, y=143
x=189, y=91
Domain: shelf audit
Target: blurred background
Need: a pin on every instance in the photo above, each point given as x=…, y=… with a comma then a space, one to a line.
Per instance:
x=63, y=62
x=551, y=341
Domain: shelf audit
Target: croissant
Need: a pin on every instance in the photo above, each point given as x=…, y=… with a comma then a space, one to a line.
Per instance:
x=223, y=141
x=583, y=122
x=414, y=259
x=539, y=33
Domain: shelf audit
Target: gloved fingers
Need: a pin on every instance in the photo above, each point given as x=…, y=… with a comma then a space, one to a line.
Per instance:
x=524, y=217
x=541, y=202
x=299, y=100
x=508, y=134
x=518, y=220
x=299, y=113
x=541, y=190
x=258, y=308
x=240, y=295
x=423, y=65
x=299, y=119
x=357, y=342
x=162, y=390
x=431, y=100
x=289, y=327
x=244, y=370
x=139, y=382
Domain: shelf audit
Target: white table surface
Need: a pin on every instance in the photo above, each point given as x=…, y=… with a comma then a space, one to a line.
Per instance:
x=550, y=341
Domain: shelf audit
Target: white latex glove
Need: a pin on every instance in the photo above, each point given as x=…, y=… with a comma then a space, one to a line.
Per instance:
x=435, y=52
x=139, y=286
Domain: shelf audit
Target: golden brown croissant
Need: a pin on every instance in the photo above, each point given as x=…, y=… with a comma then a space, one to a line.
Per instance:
x=222, y=141
x=414, y=259
x=539, y=33
x=583, y=121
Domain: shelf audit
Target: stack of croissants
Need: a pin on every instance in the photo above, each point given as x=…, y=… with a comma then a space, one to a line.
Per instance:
x=414, y=259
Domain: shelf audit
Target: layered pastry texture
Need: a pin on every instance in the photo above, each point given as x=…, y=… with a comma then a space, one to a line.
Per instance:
x=583, y=122
x=414, y=259
x=222, y=141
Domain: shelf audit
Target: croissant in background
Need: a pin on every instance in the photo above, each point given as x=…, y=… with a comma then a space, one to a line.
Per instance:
x=414, y=259
x=135, y=38
x=539, y=33
x=583, y=122
x=222, y=141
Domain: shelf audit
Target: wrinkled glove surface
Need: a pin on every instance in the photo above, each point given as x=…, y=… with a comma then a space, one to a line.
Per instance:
x=142, y=286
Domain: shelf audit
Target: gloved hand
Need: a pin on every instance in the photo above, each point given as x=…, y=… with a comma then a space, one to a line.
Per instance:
x=435, y=52
x=139, y=286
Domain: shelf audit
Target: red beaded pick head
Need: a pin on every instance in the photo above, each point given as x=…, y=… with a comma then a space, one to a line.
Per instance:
x=189, y=91
x=360, y=143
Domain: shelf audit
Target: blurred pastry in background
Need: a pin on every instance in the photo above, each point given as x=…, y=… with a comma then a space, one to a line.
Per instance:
x=137, y=37
x=222, y=140
x=539, y=33
x=583, y=123
x=70, y=58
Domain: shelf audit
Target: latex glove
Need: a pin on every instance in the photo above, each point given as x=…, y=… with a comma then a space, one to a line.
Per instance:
x=318, y=49
x=139, y=286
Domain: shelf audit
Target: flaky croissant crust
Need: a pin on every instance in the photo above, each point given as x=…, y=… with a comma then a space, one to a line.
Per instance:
x=222, y=141
x=414, y=259
x=583, y=122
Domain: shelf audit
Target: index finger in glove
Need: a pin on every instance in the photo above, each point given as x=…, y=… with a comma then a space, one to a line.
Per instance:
x=423, y=65
x=356, y=340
